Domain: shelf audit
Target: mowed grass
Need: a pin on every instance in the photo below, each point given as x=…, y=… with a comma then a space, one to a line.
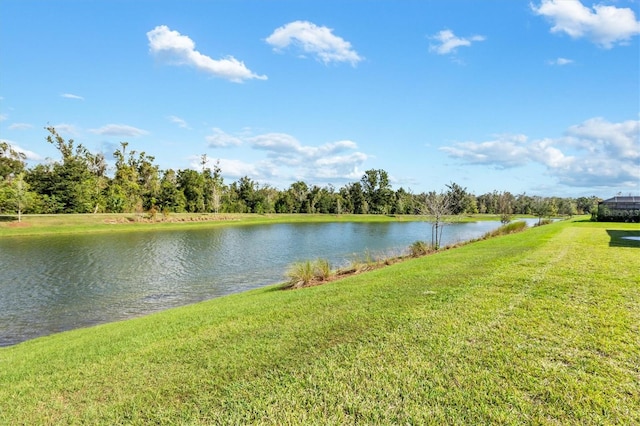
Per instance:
x=540, y=327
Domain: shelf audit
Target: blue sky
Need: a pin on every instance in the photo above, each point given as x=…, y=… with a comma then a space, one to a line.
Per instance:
x=539, y=96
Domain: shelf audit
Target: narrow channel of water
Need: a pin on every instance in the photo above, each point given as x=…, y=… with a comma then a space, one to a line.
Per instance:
x=56, y=283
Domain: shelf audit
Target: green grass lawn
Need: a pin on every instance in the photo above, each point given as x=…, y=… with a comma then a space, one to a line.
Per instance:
x=540, y=327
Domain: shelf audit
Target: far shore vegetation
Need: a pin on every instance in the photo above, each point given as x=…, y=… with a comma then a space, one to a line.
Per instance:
x=82, y=182
x=533, y=327
x=39, y=224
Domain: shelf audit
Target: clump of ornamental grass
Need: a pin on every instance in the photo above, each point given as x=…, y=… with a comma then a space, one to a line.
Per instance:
x=300, y=274
x=322, y=269
x=419, y=248
x=305, y=273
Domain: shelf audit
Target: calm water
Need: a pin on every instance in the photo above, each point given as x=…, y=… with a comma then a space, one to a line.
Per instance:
x=56, y=283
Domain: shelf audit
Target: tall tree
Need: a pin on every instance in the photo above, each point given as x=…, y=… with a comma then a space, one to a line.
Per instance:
x=71, y=183
x=404, y=202
x=326, y=200
x=148, y=180
x=300, y=195
x=460, y=201
x=587, y=205
x=191, y=183
x=213, y=185
x=170, y=198
x=247, y=193
x=12, y=162
x=136, y=184
x=284, y=202
x=265, y=199
x=355, y=201
x=377, y=191
x=124, y=194
x=541, y=207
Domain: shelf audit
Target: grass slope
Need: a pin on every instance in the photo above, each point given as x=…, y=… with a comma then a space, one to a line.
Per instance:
x=539, y=327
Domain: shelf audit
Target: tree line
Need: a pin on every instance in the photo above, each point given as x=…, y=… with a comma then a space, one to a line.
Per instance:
x=79, y=182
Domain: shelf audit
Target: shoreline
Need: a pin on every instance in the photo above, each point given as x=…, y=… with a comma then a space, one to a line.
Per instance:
x=43, y=225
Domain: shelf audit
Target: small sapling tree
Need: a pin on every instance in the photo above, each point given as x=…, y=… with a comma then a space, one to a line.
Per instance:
x=437, y=206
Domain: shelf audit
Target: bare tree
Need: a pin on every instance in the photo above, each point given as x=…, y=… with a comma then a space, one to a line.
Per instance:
x=437, y=206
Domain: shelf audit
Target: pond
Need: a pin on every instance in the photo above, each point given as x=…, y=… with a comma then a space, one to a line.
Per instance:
x=57, y=283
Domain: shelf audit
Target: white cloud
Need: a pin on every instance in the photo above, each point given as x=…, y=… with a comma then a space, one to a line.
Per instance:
x=237, y=168
x=20, y=126
x=544, y=151
x=30, y=155
x=220, y=139
x=333, y=160
x=314, y=40
x=179, y=121
x=505, y=151
x=288, y=150
x=561, y=61
x=595, y=153
x=178, y=49
x=3, y=117
x=604, y=25
x=119, y=130
x=620, y=140
x=276, y=143
x=66, y=129
x=341, y=166
x=448, y=42
x=287, y=158
x=72, y=96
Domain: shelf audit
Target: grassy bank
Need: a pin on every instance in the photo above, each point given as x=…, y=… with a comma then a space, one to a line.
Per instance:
x=127, y=222
x=540, y=327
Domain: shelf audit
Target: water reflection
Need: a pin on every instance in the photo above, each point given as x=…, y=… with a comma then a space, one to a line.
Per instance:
x=56, y=283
